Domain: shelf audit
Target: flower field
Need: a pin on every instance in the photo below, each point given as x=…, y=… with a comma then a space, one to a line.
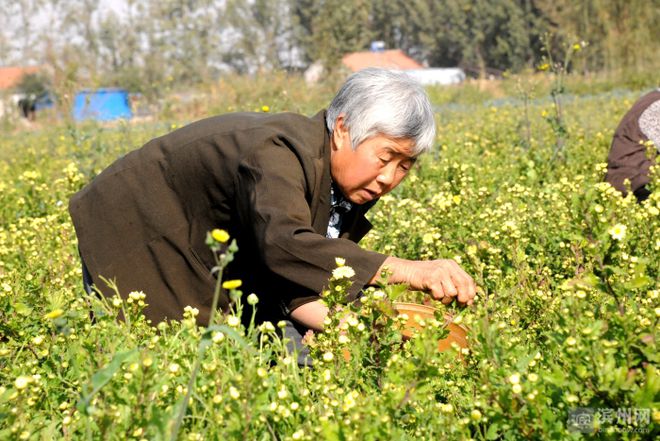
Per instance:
x=562, y=337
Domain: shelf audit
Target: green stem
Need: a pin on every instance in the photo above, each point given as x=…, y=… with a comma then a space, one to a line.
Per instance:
x=200, y=353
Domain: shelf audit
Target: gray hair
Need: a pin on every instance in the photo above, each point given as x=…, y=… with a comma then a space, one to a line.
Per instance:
x=384, y=102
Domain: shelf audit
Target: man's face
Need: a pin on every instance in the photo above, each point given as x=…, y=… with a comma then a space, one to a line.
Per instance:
x=373, y=169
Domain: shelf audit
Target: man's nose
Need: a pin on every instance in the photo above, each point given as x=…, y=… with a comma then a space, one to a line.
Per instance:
x=386, y=177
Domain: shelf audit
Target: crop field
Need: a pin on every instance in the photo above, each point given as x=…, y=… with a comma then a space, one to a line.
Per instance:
x=562, y=336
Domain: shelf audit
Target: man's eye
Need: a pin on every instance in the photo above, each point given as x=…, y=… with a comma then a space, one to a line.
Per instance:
x=384, y=160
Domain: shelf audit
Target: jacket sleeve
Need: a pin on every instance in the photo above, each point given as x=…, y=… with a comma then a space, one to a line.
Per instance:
x=274, y=190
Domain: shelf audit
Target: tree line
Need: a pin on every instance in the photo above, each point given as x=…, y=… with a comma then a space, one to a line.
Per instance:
x=146, y=45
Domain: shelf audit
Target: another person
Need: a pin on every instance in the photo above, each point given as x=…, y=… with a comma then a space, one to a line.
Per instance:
x=628, y=158
x=292, y=190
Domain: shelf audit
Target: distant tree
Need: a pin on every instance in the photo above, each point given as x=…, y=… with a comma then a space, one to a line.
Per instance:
x=620, y=33
x=79, y=20
x=33, y=87
x=19, y=34
x=181, y=39
x=35, y=84
x=302, y=18
x=152, y=45
x=479, y=34
x=388, y=22
x=328, y=29
x=258, y=34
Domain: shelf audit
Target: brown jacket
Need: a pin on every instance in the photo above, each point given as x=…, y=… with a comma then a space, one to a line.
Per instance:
x=627, y=158
x=265, y=178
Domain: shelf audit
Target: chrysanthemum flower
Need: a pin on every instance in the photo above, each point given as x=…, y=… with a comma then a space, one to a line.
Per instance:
x=55, y=313
x=220, y=235
x=234, y=393
x=618, y=231
x=343, y=272
x=232, y=284
x=22, y=382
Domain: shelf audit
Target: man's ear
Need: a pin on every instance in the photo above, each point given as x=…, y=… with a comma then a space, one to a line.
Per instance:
x=340, y=134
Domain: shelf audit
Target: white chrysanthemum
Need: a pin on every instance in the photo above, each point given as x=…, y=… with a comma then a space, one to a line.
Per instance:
x=349, y=401
x=137, y=295
x=22, y=382
x=218, y=337
x=618, y=231
x=190, y=312
x=343, y=272
x=379, y=295
x=234, y=393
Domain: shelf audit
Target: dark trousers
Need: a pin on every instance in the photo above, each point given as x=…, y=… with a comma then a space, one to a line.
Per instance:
x=294, y=333
x=87, y=278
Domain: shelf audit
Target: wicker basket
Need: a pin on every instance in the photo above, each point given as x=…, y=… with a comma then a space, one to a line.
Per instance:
x=457, y=333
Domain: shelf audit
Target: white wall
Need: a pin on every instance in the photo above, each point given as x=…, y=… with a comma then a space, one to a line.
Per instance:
x=438, y=75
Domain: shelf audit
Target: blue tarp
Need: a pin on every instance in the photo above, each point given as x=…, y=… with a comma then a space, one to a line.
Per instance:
x=102, y=105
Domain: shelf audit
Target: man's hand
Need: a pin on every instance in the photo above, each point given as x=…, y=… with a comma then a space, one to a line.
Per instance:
x=442, y=278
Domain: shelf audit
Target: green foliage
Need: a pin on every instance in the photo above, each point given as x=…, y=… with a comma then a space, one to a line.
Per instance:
x=567, y=316
x=621, y=33
x=331, y=28
x=33, y=84
x=259, y=26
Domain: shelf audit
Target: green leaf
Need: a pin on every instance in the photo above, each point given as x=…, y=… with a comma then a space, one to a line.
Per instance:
x=523, y=362
x=492, y=432
x=22, y=309
x=639, y=282
x=103, y=376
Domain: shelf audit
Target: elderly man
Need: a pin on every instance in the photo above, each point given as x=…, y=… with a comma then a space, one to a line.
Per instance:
x=292, y=190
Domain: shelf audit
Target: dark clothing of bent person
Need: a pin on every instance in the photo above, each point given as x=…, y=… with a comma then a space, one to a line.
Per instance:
x=292, y=190
x=628, y=155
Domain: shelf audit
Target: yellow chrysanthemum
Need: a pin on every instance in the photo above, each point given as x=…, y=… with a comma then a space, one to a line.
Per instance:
x=232, y=284
x=220, y=235
x=54, y=314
